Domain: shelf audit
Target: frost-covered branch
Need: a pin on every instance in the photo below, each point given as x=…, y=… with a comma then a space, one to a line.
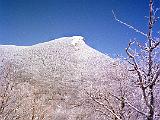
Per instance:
x=104, y=106
x=127, y=102
x=129, y=26
x=143, y=62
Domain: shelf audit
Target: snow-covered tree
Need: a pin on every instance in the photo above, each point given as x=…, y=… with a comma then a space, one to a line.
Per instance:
x=145, y=64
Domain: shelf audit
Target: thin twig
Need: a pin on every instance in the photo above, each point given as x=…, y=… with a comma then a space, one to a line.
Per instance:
x=129, y=26
x=104, y=106
x=126, y=101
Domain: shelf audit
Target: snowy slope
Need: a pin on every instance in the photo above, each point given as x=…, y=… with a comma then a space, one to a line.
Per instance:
x=60, y=69
x=67, y=58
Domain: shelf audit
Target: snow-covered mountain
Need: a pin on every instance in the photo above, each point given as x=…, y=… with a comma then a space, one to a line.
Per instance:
x=68, y=58
x=50, y=79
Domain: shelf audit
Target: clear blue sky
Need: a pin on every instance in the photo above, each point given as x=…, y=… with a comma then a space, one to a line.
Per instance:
x=27, y=22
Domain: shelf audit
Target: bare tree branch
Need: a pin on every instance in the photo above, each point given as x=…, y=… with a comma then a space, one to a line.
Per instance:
x=132, y=106
x=129, y=26
x=104, y=106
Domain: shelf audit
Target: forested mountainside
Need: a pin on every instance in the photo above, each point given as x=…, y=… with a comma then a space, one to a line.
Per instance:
x=65, y=79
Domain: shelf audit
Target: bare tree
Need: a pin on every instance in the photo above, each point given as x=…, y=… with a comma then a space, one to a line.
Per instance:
x=145, y=64
x=112, y=102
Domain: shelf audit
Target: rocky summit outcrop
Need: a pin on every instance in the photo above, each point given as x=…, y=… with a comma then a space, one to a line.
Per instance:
x=51, y=80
